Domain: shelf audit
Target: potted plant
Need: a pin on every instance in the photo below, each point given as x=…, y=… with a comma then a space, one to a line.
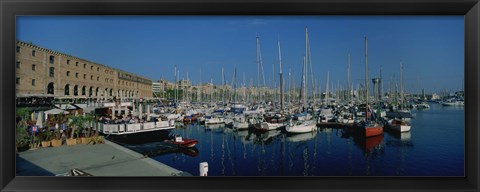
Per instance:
x=87, y=132
x=57, y=134
x=57, y=138
x=77, y=123
x=21, y=137
x=45, y=137
x=70, y=140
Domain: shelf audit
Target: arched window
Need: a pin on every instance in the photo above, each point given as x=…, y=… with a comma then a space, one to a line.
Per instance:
x=67, y=89
x=96, y=91
x=50, y=88
x=75, y=90
x=83, y=90
x=111, y=92
x=90, y=92
x=68, y=73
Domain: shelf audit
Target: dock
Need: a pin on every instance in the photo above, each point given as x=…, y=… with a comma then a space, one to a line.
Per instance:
x=108, y=159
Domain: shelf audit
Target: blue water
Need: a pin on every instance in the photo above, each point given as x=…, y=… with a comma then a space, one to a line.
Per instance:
x=433, y=147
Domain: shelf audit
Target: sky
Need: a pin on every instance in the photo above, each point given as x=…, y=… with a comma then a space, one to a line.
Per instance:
x=431, y=48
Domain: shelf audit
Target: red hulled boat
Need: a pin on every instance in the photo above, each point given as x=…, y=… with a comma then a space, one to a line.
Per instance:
x=182, y=142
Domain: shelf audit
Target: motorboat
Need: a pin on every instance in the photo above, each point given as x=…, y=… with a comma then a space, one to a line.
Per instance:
x=399, y=125
x=182, y=142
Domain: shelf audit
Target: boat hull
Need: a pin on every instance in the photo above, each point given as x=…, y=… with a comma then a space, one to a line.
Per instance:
x=302, y=128
x=371, y=131
x=188, y=143
x=399, y=126
x=240, y=125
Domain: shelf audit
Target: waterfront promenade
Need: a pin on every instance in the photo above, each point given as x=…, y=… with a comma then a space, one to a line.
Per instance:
x=108, y=159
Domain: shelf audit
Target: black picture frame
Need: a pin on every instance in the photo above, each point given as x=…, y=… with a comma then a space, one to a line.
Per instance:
x=11, y=8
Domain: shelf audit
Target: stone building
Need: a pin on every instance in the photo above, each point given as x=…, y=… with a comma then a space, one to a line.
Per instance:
x=44, y=72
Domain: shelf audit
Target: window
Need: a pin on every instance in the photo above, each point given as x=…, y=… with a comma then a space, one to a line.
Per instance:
x=18, y=64
x=33, y=53
x=91, y=77
x=52, y=59
x=91, y=67
x=17, y=81
x=18, y=49
x=68, y=61
x=98, y=68
x=84, y=76
x=76, y=75
x=76, y=64
x=84, y=66
x=98, y=78
x=33, y=67
x=33, y=82
x=68, y=73
x=52, y=71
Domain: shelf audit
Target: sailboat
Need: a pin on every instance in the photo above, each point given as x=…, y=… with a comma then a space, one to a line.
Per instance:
x=369, y=128
x=307, y=124
x=400, y=120
x=240, y=122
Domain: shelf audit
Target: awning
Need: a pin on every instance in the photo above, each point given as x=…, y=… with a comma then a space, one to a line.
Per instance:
x=56, y=111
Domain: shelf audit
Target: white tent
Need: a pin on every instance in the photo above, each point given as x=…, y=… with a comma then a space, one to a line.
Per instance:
x=39, y=122
x=55, y=112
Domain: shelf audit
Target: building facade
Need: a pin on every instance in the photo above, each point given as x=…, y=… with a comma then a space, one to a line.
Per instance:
x=44, y=72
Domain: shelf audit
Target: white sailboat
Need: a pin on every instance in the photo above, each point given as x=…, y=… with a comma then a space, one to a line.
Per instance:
x=306, y=125
x=240, y=122
x=326, y=115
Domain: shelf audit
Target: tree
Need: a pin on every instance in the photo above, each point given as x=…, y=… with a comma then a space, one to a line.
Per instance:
x=77, y=123
x=21, y=137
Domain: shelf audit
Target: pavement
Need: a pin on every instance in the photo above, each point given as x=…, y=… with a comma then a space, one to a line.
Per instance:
x=108, y=159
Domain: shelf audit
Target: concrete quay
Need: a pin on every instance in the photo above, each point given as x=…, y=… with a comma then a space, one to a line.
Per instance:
x=108, y=159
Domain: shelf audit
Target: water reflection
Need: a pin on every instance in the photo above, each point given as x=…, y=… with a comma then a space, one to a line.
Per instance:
x=266, y=137
x=327, y=152
x=370, y=143
x=162, y=148
x=399, y=139
x=301, y=137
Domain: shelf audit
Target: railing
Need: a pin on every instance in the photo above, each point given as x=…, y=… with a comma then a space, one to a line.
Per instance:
x=120, y=129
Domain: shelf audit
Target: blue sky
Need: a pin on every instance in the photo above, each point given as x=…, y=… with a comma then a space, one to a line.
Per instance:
x=430, y=47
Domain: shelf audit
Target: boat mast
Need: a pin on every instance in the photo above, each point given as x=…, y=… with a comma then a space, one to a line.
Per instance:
x=304, y=82
x=348, y=76
x=175, y=75
x=381, y=84
x=366, y=79
x=401, y=83
x=311, y=67
x=281, y=75
x=305, y=66
x=258, y=65
x=327, y=88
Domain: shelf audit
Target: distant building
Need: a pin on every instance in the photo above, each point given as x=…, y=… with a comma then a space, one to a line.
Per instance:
x=157, y=87
x=184, y=83
x=44, y=72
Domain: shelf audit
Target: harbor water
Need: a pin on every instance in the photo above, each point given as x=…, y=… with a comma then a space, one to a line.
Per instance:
x=433, y=147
